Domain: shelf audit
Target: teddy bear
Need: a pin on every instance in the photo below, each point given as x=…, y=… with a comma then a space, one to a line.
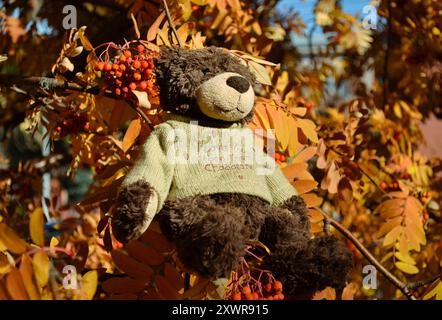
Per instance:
x=208, y=205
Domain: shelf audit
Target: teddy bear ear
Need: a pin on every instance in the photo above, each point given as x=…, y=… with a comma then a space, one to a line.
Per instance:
x=176, y=77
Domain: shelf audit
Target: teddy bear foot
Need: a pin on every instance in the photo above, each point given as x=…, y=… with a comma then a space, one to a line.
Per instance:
x=323, y=262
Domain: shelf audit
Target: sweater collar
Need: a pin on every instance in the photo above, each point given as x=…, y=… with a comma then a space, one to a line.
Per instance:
x=203, y=122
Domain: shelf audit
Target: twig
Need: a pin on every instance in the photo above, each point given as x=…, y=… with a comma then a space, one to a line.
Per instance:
x=418, y=284
x=166, y=8
x=54, y=84
x=403, y=287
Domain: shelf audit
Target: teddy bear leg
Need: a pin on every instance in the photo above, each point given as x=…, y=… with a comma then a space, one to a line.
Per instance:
x=303, y=264
x=208, y=235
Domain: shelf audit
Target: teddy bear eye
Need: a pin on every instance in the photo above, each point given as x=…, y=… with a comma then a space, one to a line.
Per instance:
x=206, y=71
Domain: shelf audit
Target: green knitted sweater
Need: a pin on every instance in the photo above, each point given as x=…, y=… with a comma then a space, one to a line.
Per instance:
x=181, y=159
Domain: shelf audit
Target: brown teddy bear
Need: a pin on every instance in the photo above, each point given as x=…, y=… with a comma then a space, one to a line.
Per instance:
x=211, y=198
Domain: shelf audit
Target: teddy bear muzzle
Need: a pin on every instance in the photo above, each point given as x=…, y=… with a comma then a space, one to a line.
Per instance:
x=227, y=96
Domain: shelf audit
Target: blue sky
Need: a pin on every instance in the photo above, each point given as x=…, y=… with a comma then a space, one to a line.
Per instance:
x=305, y=9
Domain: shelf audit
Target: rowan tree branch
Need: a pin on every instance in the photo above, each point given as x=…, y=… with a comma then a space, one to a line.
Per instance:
x=59, y=84
x=406, y=288
x=346, y=233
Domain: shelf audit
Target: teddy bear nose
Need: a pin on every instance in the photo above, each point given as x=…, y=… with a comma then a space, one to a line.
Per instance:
x=238, y=83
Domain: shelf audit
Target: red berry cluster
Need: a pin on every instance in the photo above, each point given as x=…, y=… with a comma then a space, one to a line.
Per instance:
x=73, y=123
x=129, y=72
x=271, y=291
x=394, y=186
x=280, y=158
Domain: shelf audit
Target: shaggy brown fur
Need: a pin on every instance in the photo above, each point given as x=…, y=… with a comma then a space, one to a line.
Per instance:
x=211, y=232
x=130, y=211
x=179, y=72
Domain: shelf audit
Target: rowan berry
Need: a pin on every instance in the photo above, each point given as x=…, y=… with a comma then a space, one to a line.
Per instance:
x=236, y=296
x=268, y=287
x=248, y=296
x=140, y=48
x=99, y=66
x=277, y=285
x=143, y=85
x=137, y=76
x=132, y=86
x=246, y=290
x=127, y=53
x=136, y=64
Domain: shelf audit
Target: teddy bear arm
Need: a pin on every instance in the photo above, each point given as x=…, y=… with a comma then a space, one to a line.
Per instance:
x=144, y=189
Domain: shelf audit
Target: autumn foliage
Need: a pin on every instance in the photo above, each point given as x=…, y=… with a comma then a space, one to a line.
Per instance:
x=354, y=156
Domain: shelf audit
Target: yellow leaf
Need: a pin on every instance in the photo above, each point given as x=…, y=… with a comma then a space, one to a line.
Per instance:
x=407, y=268
x=10, y=240
x=200, y=2
x=36, y=227
x=387, y=257
x=5, y=266
x=436, y=290
x=54, y=242
x=40, y=263
x=392, y=236
x=388, y=226
x=308, y=127
x=404, y=257
x=397, y=110
x=90, y=281
x=260, y=72
x=294, y=146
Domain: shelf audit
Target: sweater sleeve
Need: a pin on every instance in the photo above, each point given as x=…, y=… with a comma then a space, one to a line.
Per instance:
x=280, y=187
x=153, y=166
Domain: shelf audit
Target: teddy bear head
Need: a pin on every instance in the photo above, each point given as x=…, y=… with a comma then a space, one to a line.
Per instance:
x=203, y=83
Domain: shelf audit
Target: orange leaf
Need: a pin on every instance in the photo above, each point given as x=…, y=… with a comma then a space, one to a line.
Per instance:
x=305, y=154
x=315, y=215
x=15, y=286
x=304, y=186
x=123, y=285
x=153, y=30
x=132, y=133
x=131, y=267
x=144, y=254
x=27, y=273
x=175, y=278
x=165, y=289
x=311, y=200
